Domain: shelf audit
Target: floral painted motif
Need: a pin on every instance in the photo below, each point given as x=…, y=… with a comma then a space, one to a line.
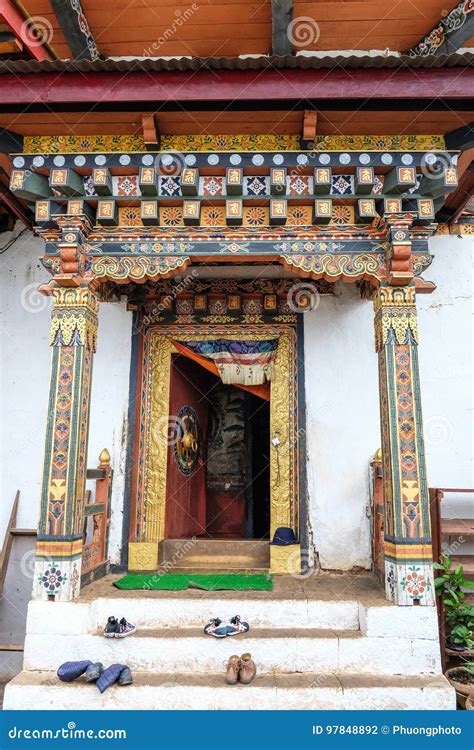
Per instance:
x=129, y=216
x=391, y=580
x=169, y=186
x=213, y=216
x=52, y=579
x=415, y=583
x=255, y=216
x=255, y=185
x=89, y=185
x=127, y=185
x=343, y=215
x=171, y=216
x=212, y=186
x=299, y=215
x=342, y=184
x=59, y=144
x=298, y=186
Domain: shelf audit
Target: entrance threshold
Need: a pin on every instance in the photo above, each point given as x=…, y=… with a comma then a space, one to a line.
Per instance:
x=215, y=555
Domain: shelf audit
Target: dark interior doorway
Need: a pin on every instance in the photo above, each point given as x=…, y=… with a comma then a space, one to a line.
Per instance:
x=222, y=492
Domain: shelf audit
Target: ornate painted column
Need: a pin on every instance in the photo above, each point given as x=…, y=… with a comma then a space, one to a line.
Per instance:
x=407, y=535
x=60, y=532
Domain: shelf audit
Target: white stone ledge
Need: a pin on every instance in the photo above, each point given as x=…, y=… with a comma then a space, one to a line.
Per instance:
x=42, y=691
x=280, y=653
x=399, y=622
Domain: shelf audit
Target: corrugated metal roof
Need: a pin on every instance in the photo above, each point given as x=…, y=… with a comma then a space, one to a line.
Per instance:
x=302, y=62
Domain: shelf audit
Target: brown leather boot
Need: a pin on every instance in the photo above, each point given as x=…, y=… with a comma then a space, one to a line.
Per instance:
x=232, y=672
x=248, y=670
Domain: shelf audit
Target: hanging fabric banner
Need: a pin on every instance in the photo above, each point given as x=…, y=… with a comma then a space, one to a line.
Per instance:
x=239, y=362
x=262, y=391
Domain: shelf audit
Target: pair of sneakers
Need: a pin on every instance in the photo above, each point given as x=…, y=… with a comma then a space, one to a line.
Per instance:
x=220, y=629
x=118, y=628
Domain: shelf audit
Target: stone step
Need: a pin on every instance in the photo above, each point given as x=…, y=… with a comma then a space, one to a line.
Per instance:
x=172, y=610
x=190, y=650
x=330, y=691
x=224, y=554
x=190, y=609
x=218, y=570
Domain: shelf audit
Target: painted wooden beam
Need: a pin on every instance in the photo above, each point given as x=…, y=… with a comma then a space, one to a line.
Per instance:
x=450, y=34
x=282, y=16
x=461, y=138
x=406, y=87
x=30, y=34
x=76, y=29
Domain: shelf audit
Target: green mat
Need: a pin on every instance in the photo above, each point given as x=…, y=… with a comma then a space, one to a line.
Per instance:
x=181, y=581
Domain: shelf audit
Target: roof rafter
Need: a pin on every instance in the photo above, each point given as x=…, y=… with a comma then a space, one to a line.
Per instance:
x=76, y=29
x=450, y=34
x=29, y=33
x=282, y=16
x=461, y=138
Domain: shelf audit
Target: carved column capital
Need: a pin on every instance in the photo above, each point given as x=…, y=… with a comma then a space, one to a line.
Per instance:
x=74, y=317
x=395, y=316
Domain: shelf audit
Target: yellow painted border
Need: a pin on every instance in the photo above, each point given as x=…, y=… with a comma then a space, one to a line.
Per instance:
x=283, y=487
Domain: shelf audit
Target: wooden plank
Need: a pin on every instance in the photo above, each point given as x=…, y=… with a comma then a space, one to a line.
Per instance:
x=24, y=532
x=467, y=562
x=457, y=526
x=11, y=647
x=7, y=542
x=76, y=29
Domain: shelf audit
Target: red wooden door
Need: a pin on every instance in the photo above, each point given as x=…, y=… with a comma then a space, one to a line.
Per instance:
x=186, y=473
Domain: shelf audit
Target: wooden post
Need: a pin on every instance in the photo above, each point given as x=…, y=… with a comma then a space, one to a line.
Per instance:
x=407, y=534
x=59, y=545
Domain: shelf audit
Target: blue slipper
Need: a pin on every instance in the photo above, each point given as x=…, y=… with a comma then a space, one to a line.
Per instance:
x=94, y=671
x=68, y=671
x=109, y=676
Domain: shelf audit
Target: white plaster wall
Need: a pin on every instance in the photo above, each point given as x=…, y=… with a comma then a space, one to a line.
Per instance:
x=25, y=359
x=342, y=425
x=341, y=395
x=25, y=362
x=343, y=409
x=446, y=363
x=109, y=406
